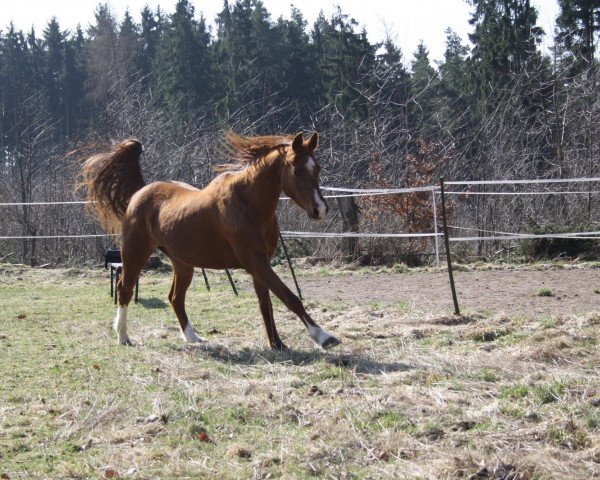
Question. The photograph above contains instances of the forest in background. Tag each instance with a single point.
(498, 108)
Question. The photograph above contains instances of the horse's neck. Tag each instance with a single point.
(264, 180)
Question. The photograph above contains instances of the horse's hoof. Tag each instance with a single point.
(196, 339)
(331, 342)
(190, 336)
(125, 341)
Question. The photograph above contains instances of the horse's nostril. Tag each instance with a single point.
(316, 212)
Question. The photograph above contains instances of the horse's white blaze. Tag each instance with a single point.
(320, 205)
(120, 325)
(310, 165)
(319, 335)
(190, 335)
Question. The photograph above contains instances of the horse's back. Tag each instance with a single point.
(185, 221)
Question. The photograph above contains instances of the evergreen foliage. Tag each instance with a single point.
(501, 107)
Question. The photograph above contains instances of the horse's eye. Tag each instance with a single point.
(296, 171)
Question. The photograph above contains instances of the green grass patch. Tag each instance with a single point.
(549, 393)
(489, 375)
(394, 420)
(74, 404)
(515, 391)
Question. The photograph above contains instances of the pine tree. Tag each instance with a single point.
(183, 65)
(15, 83)
(267, 56)
(389, 112)
(73, 84)
(346, 59)
(234, 51)
(36, 60)
(425, 95)
(453, 69)
(504, 39)
(105, 78)
(297, 64)
(578, 29)
(393, 80)
(456, 89)
(54, 46)
(129, 49)
(152, 27)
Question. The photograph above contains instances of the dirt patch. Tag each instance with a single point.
(513, 292)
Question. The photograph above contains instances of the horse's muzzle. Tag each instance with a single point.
(319, 212)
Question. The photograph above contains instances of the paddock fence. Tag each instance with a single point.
(483, 212)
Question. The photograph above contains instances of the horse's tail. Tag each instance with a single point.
(111, 178)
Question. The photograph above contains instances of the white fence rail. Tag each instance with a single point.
(340, 192)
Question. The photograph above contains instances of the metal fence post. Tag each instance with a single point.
(289, 260)
(206, 280)
(231, 282)
(447, 242)
(435, 228)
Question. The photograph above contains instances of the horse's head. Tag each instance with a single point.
(300, 177)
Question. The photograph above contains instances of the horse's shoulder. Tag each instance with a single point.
(222, 179)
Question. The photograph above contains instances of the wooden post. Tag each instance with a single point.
(447, 242)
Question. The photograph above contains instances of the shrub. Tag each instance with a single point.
(551, 248)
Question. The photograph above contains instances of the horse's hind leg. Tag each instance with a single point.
(266, 309)
(182, 277)
(134, 254)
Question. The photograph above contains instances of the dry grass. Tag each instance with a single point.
(408, 395)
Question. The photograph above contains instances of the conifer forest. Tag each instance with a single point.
(498, 108)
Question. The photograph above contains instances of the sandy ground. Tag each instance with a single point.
(509, 291)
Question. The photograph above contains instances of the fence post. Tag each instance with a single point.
(206, 280)
(231, 282)
(289, 260)
(435, 228)
(447, 242)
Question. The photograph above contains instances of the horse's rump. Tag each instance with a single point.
(111, 178)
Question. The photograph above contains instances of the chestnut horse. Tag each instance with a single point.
(229, 224)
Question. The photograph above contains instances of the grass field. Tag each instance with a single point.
(407, 395)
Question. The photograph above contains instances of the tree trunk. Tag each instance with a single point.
(349, 212)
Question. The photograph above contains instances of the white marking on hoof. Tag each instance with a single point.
(120, 326)
(322, 338)
(190, 335)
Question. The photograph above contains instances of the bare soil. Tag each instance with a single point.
(510, 291)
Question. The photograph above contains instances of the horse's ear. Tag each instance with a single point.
(313, 141)
(298, 141)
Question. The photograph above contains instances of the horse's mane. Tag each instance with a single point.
(244, 151)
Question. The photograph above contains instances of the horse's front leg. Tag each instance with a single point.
(261, 270)
(182, 278)
(266, 309)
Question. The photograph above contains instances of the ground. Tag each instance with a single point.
(510, 389)
(502, 290)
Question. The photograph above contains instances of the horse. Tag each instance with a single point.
(231, 223)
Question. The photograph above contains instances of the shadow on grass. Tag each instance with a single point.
(152, 303)
(254, 356)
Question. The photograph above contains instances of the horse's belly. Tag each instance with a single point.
(201, 249)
